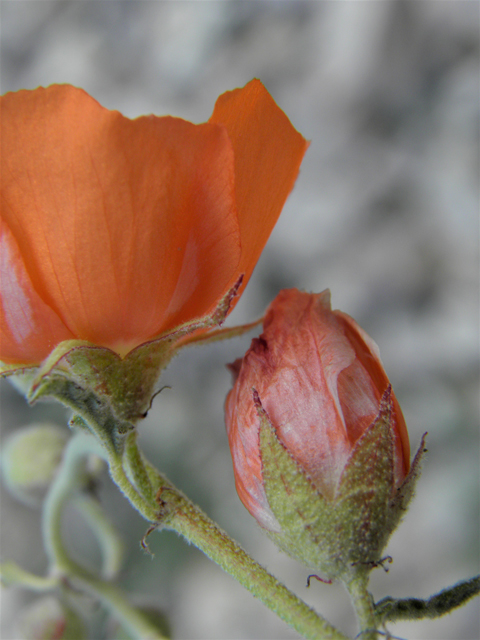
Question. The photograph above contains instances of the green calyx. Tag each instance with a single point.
(343, 536)
(120, 387)
(125, 384)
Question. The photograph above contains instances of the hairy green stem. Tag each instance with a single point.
(362, 601)
(154, 497)
(176, 512)
(146, 508)
(197, 528)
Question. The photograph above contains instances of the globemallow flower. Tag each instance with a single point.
(115, 231)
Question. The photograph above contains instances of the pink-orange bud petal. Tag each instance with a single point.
(320, 382)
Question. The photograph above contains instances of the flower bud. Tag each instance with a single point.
(319, 443)
(30, 460)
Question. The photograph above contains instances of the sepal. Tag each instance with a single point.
(334, 536)
(94, 413)
(406, 491)
(7, 370)
(126, 385)
(365, 489)
(110, 393)
(301, 511)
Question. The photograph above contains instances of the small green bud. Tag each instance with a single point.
(30, 460)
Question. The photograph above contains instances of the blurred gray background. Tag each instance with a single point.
(385, 213)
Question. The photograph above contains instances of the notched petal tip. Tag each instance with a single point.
(268, 153)
(225, 304)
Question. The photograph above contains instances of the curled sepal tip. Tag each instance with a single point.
(406, 491)
(391, 610)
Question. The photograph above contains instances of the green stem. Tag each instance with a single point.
(108, 539)
(110, 596)
(146, 508)
(176, 512)
(179, 514)
(362, 601)
(147, 490)
(70, 475)
(197, 528)
(113, 599)
(11, 574)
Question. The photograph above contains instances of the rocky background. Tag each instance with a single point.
(384, 213)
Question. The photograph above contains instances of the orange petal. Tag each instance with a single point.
(127, 227)
(29, 329)
(268, 152)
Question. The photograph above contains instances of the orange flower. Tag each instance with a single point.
(114, 231)
(318, 377)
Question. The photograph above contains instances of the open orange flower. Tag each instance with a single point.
(114, 231)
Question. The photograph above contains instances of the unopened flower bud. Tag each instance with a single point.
(49, 619)
(30, 460)
(319, 443)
